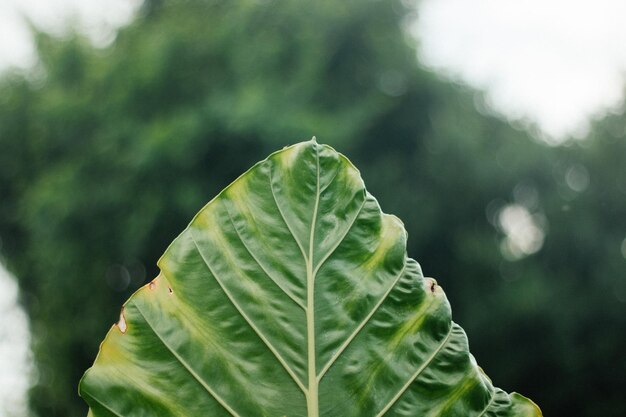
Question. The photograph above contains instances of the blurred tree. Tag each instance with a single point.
(108, 153)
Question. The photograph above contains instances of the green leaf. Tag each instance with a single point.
(291, 294)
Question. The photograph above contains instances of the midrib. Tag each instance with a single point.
(312, 394)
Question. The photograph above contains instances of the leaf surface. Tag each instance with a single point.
(291, 294)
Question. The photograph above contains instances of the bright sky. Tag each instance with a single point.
(97, 18)
(15, 361)
(556, 62)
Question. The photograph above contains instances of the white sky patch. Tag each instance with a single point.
(98, 19)
(15, 357)
(554, 62)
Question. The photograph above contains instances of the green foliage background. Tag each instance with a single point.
(107, 153)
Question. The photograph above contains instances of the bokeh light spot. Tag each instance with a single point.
(577, 178)
(524, 234)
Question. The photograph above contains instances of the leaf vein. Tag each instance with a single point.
(493, 396)
(99, 401)
(329, 182)
(457, 394)
(313, 400)
(282, 215)
(269, 345)
(340, 240)
(189, 369)
(245, 245)
(416, 373)
(343, 347)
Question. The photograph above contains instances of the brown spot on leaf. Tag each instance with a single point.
(152, 285)
(170, 290)
(432, 284)
(122, 323)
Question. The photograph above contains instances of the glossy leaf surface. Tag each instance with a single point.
(291, 294)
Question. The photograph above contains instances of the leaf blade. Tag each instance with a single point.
(291, 294)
